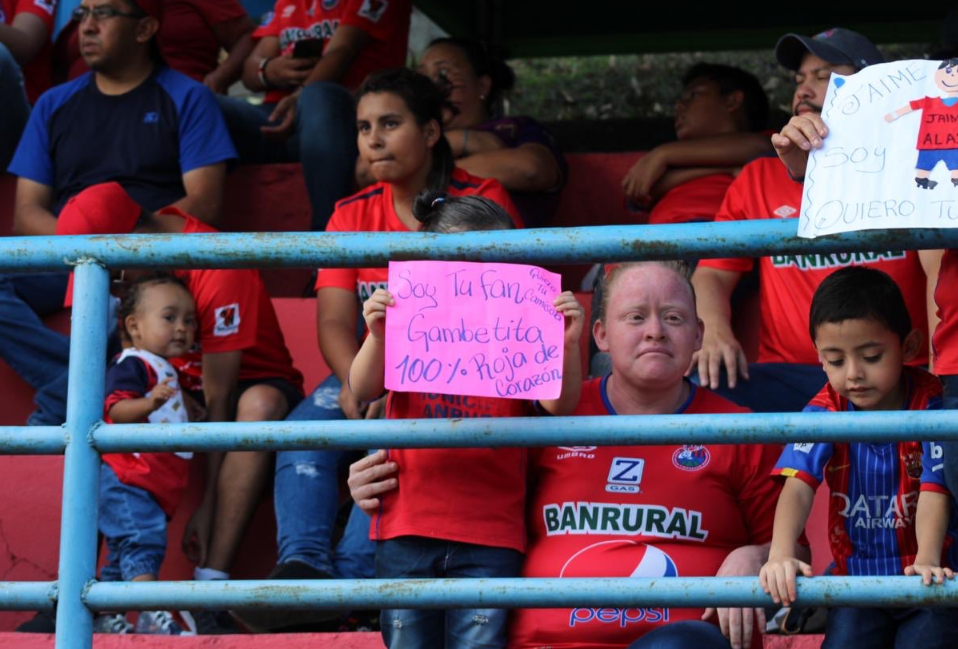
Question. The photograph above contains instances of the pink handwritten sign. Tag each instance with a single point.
(486, 330)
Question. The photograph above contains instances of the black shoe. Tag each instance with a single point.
(954, 181)
(42, 622)
(214, 623)
(925, 183)
(271, 620)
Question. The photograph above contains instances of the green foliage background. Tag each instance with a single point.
(639, 86)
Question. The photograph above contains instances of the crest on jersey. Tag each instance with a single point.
(373, 9)
(227, 320)
(691, 457)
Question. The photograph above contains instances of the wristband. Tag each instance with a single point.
(262, 72)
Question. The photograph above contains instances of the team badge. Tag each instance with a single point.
(913, 464)
(289, 10)
(691, 457)
(373, 9)
(227, 320)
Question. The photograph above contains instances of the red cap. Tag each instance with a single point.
(152, 8)
(99, 209)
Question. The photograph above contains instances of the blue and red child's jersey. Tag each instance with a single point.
(874, 487)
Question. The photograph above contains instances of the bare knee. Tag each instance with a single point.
(261, 403)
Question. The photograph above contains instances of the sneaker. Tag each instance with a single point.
(212, 623)
(925, 183)
(112, 623)
(270, 620)
(158, 623)
(42, 622)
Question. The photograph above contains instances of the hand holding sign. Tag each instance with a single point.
(492, 330)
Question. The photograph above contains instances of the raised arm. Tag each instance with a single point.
(367, 371)
(566, 304)
(336, 321)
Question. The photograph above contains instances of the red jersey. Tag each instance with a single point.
(133, 375)
(37, 74)
(638, 511)
(386, 22)
(470, 495)
(787, 282)
(371, 210)
(874, 487)
(938, 119)
(697, 200)
(946, 333)
(235, 314)
(186, 35)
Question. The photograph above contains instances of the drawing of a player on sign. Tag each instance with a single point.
(938, 135)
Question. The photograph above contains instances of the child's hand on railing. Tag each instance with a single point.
(778, 578)
(930, 572)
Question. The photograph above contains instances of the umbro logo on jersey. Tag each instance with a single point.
(581, 452)
(373, 9)
(784, 211)
(47, 5)
(289, 10)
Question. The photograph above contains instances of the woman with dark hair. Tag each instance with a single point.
(516, 151)
(399, 120)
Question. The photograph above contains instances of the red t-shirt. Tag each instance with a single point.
(386, 22)
(787, 282)
(186, 37)
(638, 511)
(371, 210)
(235, 314)
(946, 333)
(470, 495)
(938, 119)
(697, 200)
(37, 74)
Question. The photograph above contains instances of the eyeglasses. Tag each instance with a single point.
(102, 13)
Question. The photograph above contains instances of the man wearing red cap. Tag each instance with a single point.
(131, 120)
(242, 370)
(788, 372)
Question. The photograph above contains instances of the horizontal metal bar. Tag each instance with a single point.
(27, 595)
(510, 593)
(622, 430)
(32, 440)
(549, 245)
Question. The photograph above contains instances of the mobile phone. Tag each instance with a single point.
(308, 48)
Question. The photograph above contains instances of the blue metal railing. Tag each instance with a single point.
(83, 438)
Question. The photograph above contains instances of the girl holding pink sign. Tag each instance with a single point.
(456, 512)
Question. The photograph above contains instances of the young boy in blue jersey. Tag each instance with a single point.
(861, 328)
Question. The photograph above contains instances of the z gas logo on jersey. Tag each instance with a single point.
(625, 475)
(630, 520)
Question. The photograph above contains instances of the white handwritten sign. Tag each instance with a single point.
(890, 159)
(486, 330)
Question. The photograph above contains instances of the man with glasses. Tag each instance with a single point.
(131, 120)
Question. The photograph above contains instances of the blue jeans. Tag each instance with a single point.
(14, 109)
(306, 499)
(774, 387)
(415, 557)
(38, 354)
(134, 525)
(324, 142)
(898, 628)
(691, 634)
(950, 385)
